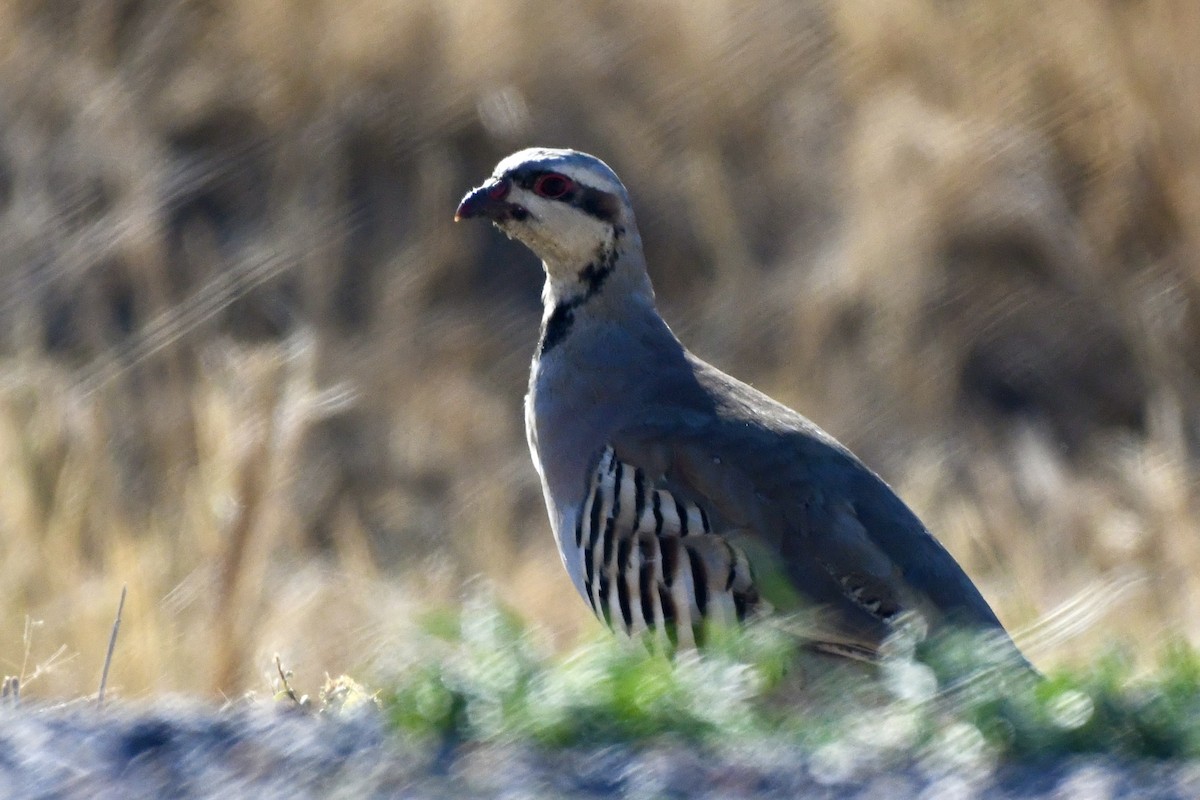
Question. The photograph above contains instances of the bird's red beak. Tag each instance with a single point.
(486, 201)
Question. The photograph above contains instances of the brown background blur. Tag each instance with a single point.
(250, 368)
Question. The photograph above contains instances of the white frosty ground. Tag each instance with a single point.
(195, 752)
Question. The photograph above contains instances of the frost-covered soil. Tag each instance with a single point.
(187, 751)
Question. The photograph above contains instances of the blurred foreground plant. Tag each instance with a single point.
(483, 675)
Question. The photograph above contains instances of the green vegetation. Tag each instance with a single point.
(484, 676)
(1101, 708)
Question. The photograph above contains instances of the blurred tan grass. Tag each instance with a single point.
(251, 370)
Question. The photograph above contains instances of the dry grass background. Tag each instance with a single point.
(249, 367)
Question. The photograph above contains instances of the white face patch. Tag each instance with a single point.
(563, 236)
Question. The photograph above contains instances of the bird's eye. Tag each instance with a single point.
(552, 185)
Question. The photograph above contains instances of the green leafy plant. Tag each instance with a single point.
(483, 675)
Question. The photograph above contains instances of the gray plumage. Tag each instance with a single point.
(677, 493)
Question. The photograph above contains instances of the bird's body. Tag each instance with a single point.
(678, 494)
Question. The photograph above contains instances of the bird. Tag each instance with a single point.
(679, 496)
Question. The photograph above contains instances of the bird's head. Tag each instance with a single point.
(567, 207)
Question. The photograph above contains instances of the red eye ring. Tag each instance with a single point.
(552, 185)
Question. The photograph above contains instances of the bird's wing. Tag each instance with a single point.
(815, 527)
(672, 538)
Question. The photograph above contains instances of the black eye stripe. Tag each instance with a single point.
(601, 205)
(594, 202)
(528, 180)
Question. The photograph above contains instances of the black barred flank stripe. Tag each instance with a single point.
(639, 500)
(645, 581)
(579, 530)
(590, 573)
(594, 519)
(656, 507)
(683, 517)
(670, 559)
(605, 588)
(608, 540)
(616, 489)
(739, 605)
(625, 603)
(615, 514)
(732, 565)
(623, 582)
(704, 523)
(668, 609)
(699, 580)
(592, 601)
(589, 576)
(593, 535)
(588, 584)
